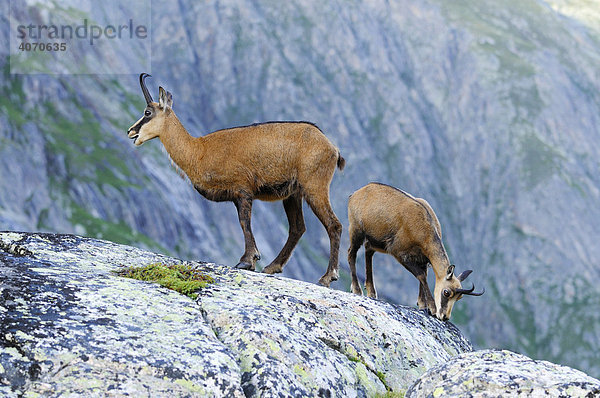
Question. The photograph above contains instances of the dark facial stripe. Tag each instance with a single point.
(444, 303)
(138, 126)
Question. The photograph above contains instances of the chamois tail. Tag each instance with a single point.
(341, 162)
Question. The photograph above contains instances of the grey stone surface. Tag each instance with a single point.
(70, 326)
(328, 340)
(501, 373)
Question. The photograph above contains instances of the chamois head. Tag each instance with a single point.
(152, 123)
(449, 290)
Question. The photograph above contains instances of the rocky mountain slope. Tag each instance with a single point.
(71, 326)
(489, 110)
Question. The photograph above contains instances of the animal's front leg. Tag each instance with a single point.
(422, 300)
(425, 294)
(251, 254)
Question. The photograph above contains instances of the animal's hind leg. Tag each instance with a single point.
(371, 292)
(356, 240)
(320, 205)
(293, 210)
(251, 254)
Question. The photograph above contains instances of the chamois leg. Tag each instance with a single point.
(371, 292)
(251, 254)
(425, 299)
(356, 241)
(319, 203)
(425, 294)
(293, 210)
(422, 300)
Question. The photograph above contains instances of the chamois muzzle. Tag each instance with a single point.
(147, 95)
(469, 292)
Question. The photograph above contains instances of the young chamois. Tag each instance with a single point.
(391, 221)
(271, 161)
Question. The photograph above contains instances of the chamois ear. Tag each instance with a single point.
(450, 272)
(165, 99)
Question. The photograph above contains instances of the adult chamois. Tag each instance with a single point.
(270, 161)
(391, 221)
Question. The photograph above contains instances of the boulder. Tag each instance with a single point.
(501, 373)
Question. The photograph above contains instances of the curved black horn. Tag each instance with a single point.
(144, 88)
(469, 292)
(463, 275)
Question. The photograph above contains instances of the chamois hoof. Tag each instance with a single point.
(273, 269)
(427, 311)
(356, 290)
(326, 280)
(245, 265)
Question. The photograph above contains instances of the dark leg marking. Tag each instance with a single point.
(356, 241)
(369, 252)
(251, 254)
(427, 297)
(322, 208)
(418, 268)
(293, 210)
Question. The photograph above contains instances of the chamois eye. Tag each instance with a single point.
(147, 113)
(446, 293)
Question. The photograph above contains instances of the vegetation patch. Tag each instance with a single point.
(392, 394)
(377, 373)
(182, 278)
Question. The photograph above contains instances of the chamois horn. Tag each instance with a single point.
(469, 291)
(144, 88)
(464, 275)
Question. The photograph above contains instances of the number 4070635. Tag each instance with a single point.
(42, 46)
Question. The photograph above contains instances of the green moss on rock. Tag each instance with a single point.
(179, 277)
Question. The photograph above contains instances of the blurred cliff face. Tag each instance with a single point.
(488, 110)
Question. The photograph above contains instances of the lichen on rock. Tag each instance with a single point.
(314, 339)
(71, 326)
